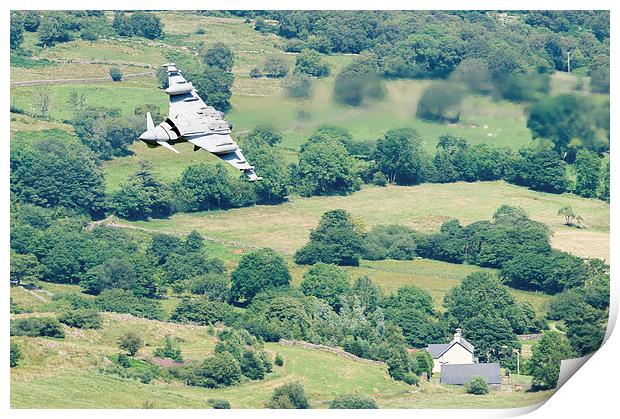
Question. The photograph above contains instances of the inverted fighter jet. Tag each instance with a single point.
(191, 120)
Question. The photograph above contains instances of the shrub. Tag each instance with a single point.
(121, 301)
(288, 396)
(122, 360)
(16, 354)
(255, 73)
(379, 179)
(169, 350)
(37, 326)
(411, 379)
(353, 401)
(116, 73)
(477, 385)
(279, 361)
(252, 366)
(202, 311)
(81, 318)
(219, 403)
(130, 342)
(220, 370)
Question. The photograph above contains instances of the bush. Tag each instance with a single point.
(121, 301)
(252, 366)
(441, 102)
(379, 179)
(220, 370)
(353, 401)
(169, 350)
(81, 318)
(116, 74)
(255, 73)
(477, 385)
(411, 379)
(202, 311)
(275, 67)
(279, 361)
(309, 62)
(122, 360)
(219, 403)
(130, 342)
(288, 396)
(16, 354)
(37, 326)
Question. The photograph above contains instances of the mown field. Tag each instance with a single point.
(424, 207)
(63, 373)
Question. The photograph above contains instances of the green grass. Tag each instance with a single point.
(62, 373)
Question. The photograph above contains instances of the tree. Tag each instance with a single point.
(130, 342)
(441, 102)
(169, 350)
(353, 401)
(146, 24)
(327, 282)
(157, 199)
(588, 168)
(162, 245)
(423, 363)
(298, 87)
(571, 218)
(309, 62)
(477, 386)
(325, 168)
(202, 311)
(25, 268)
(32, 20)
(203, 187)
(481, 294)
(288, 396)
(258, 271)
(603, 188)
(275, 67)
(400, 157)
(275, 186)
(16, 354)
(214, 86)
(220, 56)
(36, 168)
(252, 366)
(450, 159)
(600, 74)
(220, 370)
(492, 336)
(570, 122)
(539, 168)
(359, 82)
(116, 73)
(474, 72)
(544, 365)
(335, 240)
(17, 31)
(52, 31)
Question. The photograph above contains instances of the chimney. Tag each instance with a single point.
(457, 335)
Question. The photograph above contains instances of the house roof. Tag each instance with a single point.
(459, 374)
(438, 349)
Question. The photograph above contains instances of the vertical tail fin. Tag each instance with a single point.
(149, 121)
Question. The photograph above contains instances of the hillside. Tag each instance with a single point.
(55, 368)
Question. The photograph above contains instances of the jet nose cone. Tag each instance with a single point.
(148, 136)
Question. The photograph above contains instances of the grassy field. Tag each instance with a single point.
(424, 207)
(62, 373)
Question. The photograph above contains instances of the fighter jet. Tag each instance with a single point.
(191, 120)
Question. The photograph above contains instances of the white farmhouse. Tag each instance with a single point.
(459, 351)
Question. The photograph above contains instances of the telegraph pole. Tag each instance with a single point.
(568, 59)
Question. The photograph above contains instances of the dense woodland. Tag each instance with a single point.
(58, 190)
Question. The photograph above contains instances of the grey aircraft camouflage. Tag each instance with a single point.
(191, 120)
